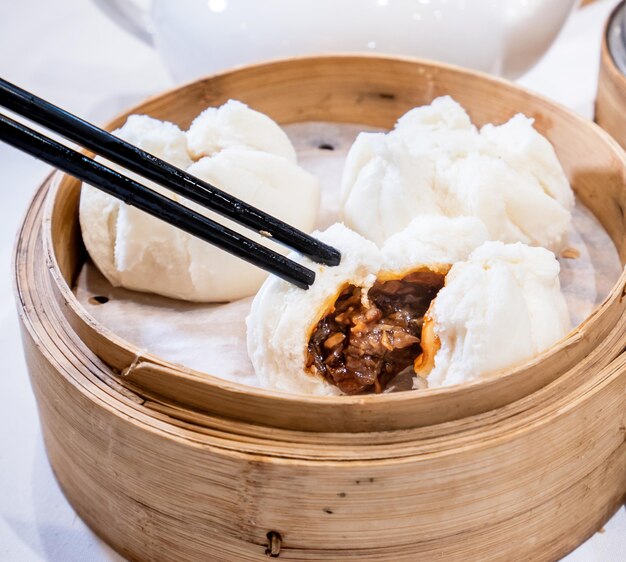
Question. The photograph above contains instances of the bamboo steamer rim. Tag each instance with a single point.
(279, 400)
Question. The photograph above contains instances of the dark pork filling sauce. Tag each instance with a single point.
(361, 347)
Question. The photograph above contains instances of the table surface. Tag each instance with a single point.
(51, 48)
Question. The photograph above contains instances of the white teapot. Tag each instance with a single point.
(197, 37)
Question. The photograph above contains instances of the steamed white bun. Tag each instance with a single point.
(501, 303)
(436, 161)
(282, 316)
(501, 306)
(235, 125)
(137, 251)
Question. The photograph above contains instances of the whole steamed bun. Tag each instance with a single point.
(501, 306)
(239, 150)
(436, 161)
(235, 125)
(283, 316)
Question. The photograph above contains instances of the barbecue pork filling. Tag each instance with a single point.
(368, 337)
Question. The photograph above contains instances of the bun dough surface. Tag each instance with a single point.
(436, 161)
(501, 306)
(269, 182)
(235, 125)
(283, 317)
(433, 239)
(240, 151)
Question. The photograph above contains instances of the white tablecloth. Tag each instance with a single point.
(68, 52)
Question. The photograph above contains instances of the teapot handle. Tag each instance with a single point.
(131, 15)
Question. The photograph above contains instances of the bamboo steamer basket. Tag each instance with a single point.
(165, 463)
(611, 99)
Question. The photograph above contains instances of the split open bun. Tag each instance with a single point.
(437, 300)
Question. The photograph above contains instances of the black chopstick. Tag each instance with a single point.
(140, 196)
(150, 167)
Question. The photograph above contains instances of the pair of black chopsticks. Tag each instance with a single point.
(148, 166)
